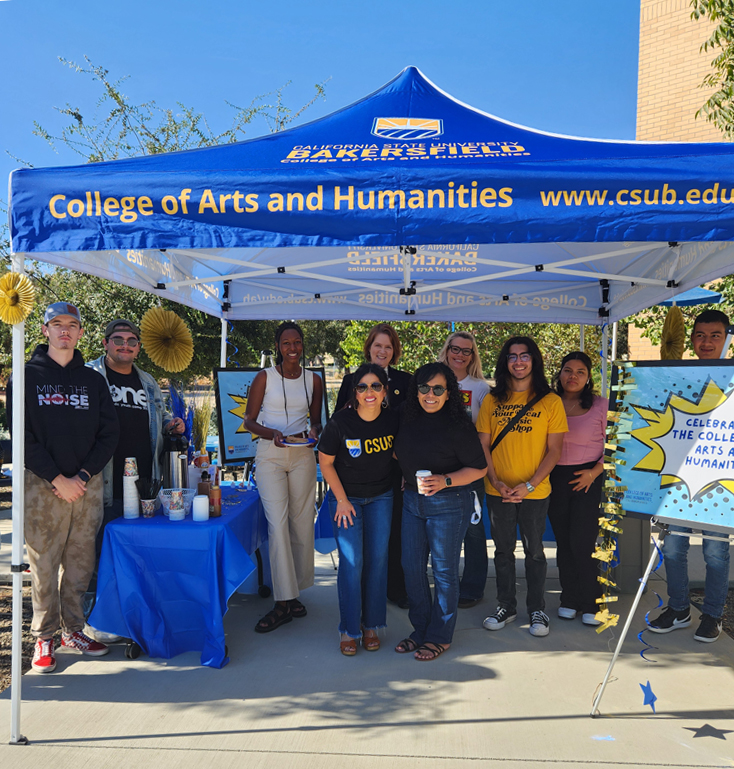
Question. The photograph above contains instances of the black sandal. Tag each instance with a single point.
(406, 646)
(298, 610)
(277, 616)
(434, 649)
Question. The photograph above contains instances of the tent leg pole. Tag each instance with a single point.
(614, 341)
(16, 564)
(630, 617)
(604, 359)
(223, 346)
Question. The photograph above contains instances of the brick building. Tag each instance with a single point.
(670, 71)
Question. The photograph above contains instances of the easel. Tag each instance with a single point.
(663, 526)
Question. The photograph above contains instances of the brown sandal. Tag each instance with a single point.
(349, 647)
(406, 645)
(371, 643)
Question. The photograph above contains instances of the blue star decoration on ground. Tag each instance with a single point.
(650, 698)
(708, 731)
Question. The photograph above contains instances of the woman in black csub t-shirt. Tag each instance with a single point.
(436, 435)
(355, 453)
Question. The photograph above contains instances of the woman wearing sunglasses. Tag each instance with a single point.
(437, 435)
(355, 454)
(461, 355)
(382, 347)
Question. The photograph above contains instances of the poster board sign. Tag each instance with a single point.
(675, 441)
(232, 389)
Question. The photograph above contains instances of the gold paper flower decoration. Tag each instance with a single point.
(17, 295)
(673, 341)
(166, 339)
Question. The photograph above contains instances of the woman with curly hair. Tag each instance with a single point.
(437, 435)
(577, 485)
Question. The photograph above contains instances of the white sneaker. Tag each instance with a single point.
(539, 623)
(101, 636)
(565, 613)
(590, 619)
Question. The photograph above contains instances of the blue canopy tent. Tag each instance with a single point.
(406, 204)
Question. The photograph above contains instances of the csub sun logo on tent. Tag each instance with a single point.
(407, 128)
(355, 447)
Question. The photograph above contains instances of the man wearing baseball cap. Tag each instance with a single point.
(71, 431)
(143, 420)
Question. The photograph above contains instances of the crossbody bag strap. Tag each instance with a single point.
(520, 414)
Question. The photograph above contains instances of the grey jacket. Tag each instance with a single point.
(157, 417)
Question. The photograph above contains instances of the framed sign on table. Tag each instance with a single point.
(232, 390)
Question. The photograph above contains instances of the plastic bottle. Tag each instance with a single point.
(204, 486)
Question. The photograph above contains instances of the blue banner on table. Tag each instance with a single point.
(677, 434)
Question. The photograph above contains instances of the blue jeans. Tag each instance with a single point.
(504, 518)
(476, 563)
(716, 556)
(434, 525)
(362, 578)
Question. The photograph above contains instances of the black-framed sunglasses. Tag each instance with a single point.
(375, 386)
(456, 350)
(438, 390)
(119, 341)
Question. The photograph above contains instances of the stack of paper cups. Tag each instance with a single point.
(201, 507)
(176, 509)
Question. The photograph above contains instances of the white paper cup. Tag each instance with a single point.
(418, 479)
(201, 507)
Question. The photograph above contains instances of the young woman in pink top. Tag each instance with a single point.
(577, 486)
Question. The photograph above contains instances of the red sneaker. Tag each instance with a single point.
(79, 642)
(44, 660)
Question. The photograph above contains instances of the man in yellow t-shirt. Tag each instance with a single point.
(517, 475)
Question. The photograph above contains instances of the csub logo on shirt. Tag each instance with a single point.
(407, 128)
(354, 446)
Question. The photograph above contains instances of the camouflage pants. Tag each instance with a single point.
(60, 540)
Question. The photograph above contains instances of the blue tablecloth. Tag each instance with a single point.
(165, 584)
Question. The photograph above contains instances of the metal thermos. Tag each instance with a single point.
(175, 460)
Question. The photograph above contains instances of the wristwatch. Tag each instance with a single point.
(529, 487)
(447, 480)
(82, 474)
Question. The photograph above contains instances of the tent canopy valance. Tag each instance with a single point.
(406, 204)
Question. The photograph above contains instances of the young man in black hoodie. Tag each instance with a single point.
(71, 433)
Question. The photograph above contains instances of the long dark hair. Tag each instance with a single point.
(501, 389)
(363, 370)
(587, 394)
(455, 406)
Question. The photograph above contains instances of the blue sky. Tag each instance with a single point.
(560, 65)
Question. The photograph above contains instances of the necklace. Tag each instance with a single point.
(289, 376)
(569, 410)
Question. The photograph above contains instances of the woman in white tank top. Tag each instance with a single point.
(282, 402)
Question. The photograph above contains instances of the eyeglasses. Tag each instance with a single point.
(523, 357)
(375, 386)
(465, 351)
(120, 341)
(438, 390)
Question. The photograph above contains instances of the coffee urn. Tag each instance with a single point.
(175, 460)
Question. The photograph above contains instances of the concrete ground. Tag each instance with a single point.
(289, 699)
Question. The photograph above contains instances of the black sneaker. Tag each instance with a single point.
(670, 620)
(499, 619)
(709, 630)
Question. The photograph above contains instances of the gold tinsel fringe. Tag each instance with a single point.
(166, 339)
(673, 341)
(17, 295)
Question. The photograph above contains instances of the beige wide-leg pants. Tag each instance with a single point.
(60, 540)
(286, 480)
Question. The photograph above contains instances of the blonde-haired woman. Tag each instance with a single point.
(461, 354)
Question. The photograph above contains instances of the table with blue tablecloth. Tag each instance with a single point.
(165, 584)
